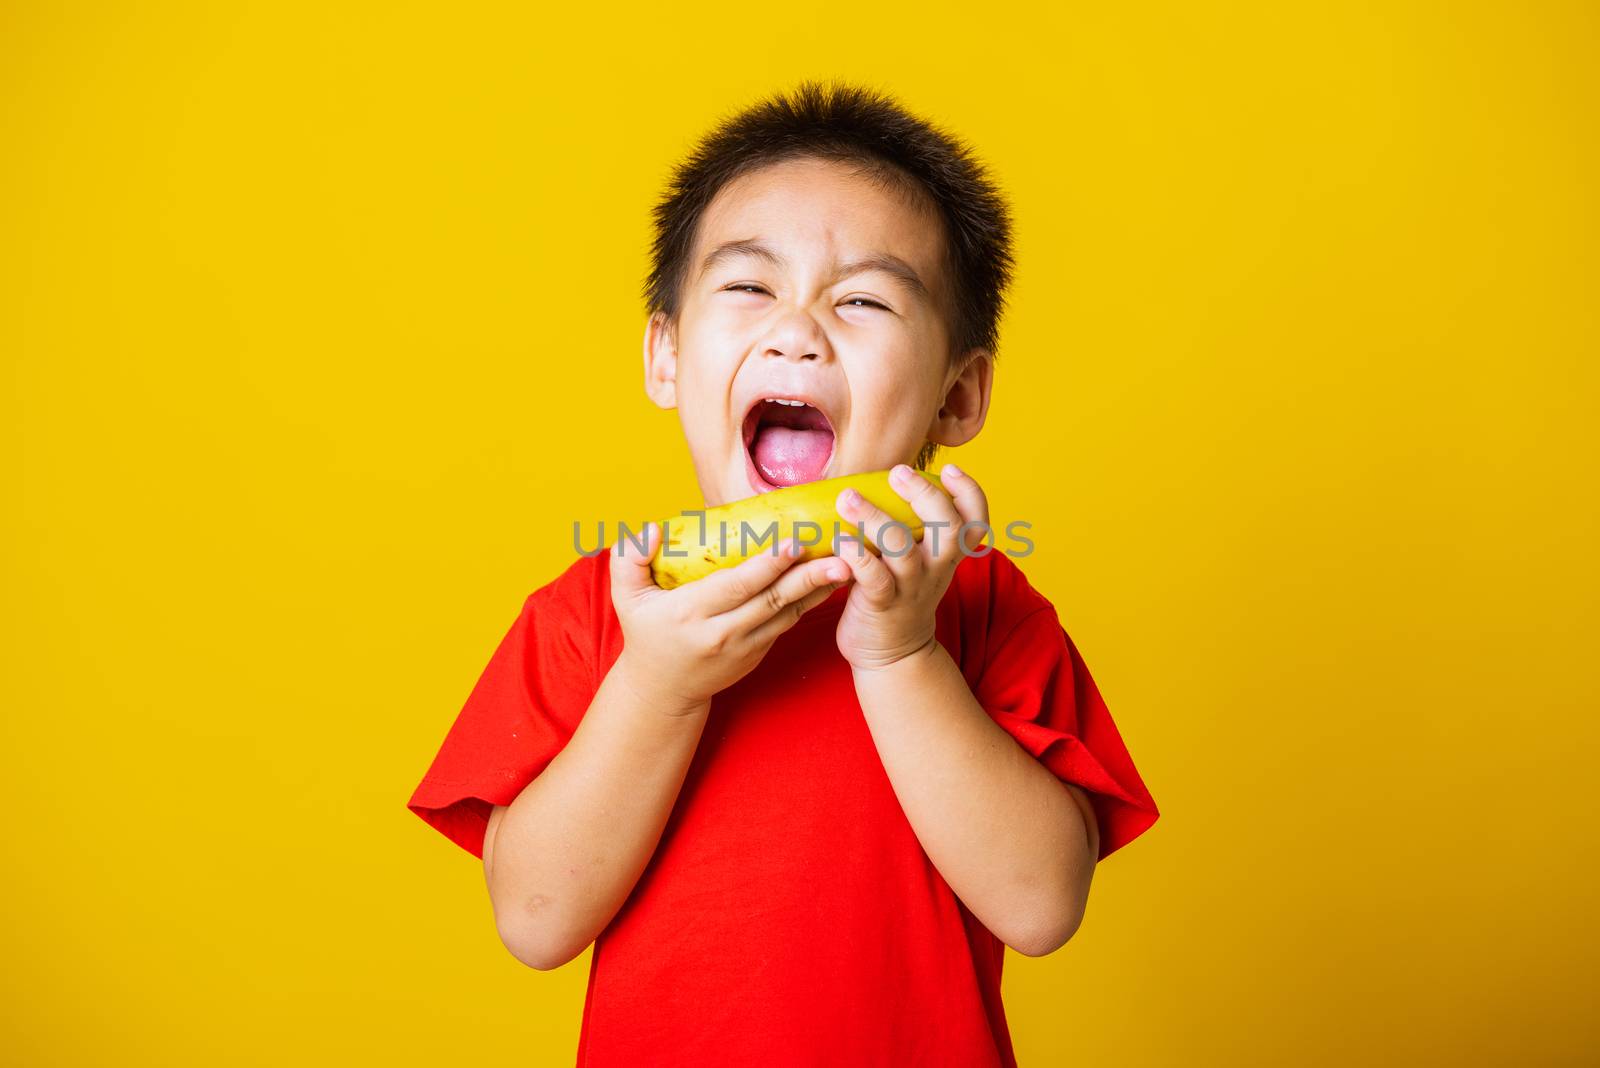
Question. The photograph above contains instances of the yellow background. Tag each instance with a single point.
(320, 323)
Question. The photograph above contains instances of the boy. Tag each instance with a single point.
(800, 809)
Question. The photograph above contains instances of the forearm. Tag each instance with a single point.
(566, 853)
(1006, 834)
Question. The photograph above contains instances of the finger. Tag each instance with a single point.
(891, 537)
(877, 582)
(768, 632)
(630, 563)
(933, 506)
(730, 587)
(970, 502)
(793, 585)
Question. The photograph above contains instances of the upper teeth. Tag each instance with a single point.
(790, 403)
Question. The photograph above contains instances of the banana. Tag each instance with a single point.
(732, 533)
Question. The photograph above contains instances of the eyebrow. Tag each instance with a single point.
(875, 261)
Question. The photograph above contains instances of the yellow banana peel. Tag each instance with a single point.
(732, 533)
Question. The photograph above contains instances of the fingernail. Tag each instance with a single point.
(900, 472)
(852, 495)
(952, 469)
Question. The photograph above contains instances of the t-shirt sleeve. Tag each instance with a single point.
(525, 706)
(1035, 685)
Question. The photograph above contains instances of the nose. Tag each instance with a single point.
(797, 336)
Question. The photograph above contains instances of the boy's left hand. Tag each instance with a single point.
(890, 611)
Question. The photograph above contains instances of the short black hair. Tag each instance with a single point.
(866, 129)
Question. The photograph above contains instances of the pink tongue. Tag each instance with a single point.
(788, 456)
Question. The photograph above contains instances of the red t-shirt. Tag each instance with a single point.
(789, 915)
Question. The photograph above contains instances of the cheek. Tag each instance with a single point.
(891, 386)
(704, 391)
(722, 324)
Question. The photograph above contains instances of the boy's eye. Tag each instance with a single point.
(751, 287)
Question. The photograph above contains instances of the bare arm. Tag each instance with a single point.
(1016, 844)
(563, 856)
(561, 859)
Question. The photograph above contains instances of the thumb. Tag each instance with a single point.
(630, 559)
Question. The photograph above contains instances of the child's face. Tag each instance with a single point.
(866, 350)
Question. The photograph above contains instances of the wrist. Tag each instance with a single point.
(899, 663)
(640, 682)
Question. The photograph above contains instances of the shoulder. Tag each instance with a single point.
(989, 597)
(994, 587)
(576, 606)
(575, 589)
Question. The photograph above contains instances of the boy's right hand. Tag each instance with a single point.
(683, 646)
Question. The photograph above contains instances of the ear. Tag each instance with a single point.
(966, 400)
(661, 362)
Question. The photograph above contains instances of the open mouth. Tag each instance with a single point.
(787, 442)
